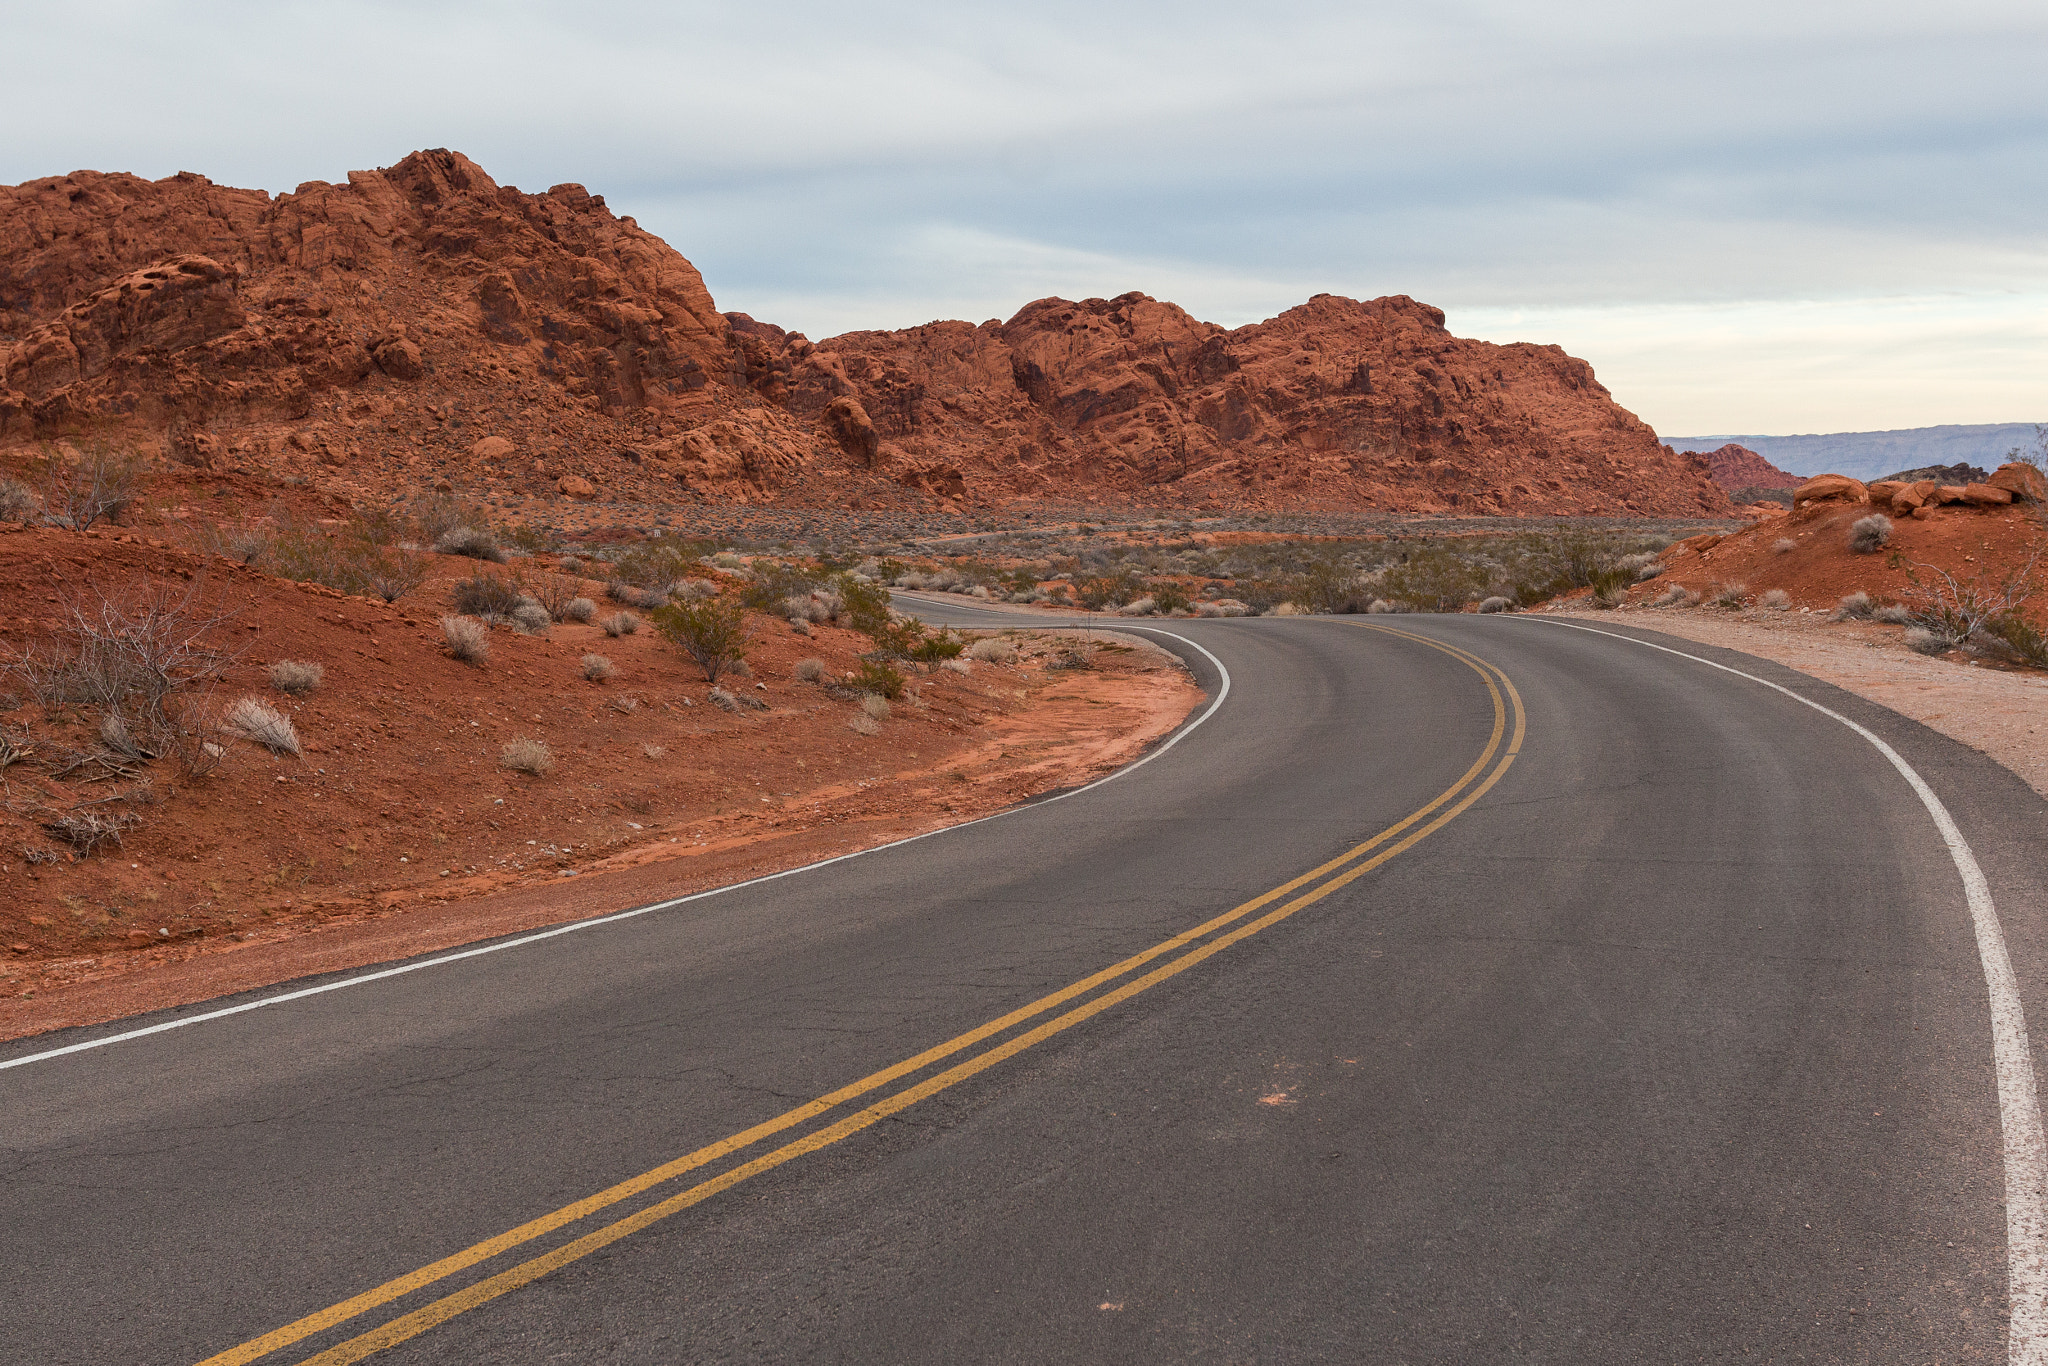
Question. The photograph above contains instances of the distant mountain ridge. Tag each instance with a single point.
(1872, 455)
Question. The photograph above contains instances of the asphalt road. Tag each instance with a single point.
(1658, 1032)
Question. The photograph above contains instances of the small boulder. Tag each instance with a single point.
(2024, 482)
(492, 448)
(1986, 496)
(1946, 494)
(1830, 488)
(576, 486)
(398, 358)
(1884, 490)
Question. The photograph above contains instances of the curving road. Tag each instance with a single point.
(1459, 989)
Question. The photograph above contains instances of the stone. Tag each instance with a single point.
(2024, 482)
(576, 486)
(1831, 488)
(398, 358)
(492, 448)
(852, 428)
(1986, 496)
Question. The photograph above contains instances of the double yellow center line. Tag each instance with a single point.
(1200, 943)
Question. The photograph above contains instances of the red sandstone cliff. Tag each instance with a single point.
(1738, 467)
(422, 321)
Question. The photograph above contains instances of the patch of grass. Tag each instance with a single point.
(1868, 535)
(1784, 545)
(875, 705)
(490, 597)
(475, 542)
(296, 677)
(1777, 600)
(254, 719)
(1855, 606)
(809, 670)
(469, 640)
(525, 755)
(620, 624)
(1729, 595)
(597, 668)
(878, 679)
(863, 724)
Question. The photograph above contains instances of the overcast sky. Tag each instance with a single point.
(1750, 217)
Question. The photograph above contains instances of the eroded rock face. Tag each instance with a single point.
(1738, 467)
(1829, 488)
(422, 323)
(1337, 403)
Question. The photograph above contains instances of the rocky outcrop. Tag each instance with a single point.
(1738, 467)
(1338, 403)
(424, 324)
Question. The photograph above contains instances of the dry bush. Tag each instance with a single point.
(1777, 600)
(295, 676)
(724, 700)
(1868, 535)
(809, 670)
(1729, 595)
(475, 542)
(529, 618)
(2020, 637)
(101, 484)
(863, 724)
(1380, 606)
(556, 592)
(624, 706)
(579, 609)
(525, 755)
(1224, 607)
(1954, 609)
(1894, 614)
(254, 719)
(488, 597)
(958, 666)
(1784, 545)
(875, 705)
(469, 640)
(647, 599)
(992, 649)
(86, 830)
(695, 590)
(597, 668)
(18, 502)
(620, 624)
(1924, 641)
(653, 751)
(712, 633)
(1854, 606)
(1497, 604)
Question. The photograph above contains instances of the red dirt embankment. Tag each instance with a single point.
(398, 830)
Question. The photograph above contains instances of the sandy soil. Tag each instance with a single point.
(2000, 712)
(398, 831)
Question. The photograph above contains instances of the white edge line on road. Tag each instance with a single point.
(2019, 1109)
(365, 979)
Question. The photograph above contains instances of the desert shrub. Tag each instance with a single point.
(653, 751)
(489, 597)
(625, 706)
(1924, 641)
(877, 678)
(1380, 607)
(18, 502)
(647, 599)
(530, 618)
(774, 584)
(1168, 598)
(102, 484)
(1142, 606)
(525, 755)
(863, 724)
(694, 590)
(1854, 606)
(1868, 535)
(1108, 590)
(724, 700)
(1641, 567)
(1434, 578)
(295, 676)
(86, 830)
(875, 705)
(739, 668)
(712, 633)
(658, 563)
(475, 542)
(1777, 600)
(958, 666)
(1894, 614)
(1223, 607)
(437, 514)
(579, 609)
(1497, 604)
(809, 670)
(620, 624)
(347, 561)
(556, 592)
(469, 640)
(1784, 545)
(1610, 586)
(1729, 595)
(1953, 609)
(254, 719)
(2027, 644)
(597, 668)
(992, 649)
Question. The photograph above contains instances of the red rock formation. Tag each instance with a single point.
(422, 322)
(1738, 467)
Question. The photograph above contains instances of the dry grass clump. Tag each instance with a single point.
(1923, 641)
(296, 677)
(958, 666)
(579, 609)
(597, 668)
(653, 751)
(1729, 595)
(724, 700)
(863, 724)
(525, 755)
(84, 830)
(809, 670)
(876, 706)
(1497, 604)
(488, 597)
(625, 706)
(469, 640)
(992, 649)
(620, 624)
(1777, 599)
(476, 542)
(1893, 614)
(1868, 535)
(1784, 545)
(529, 618)
(18, 502)
(647, 599)
(254, 719)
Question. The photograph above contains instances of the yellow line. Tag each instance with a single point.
(420, 1320)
